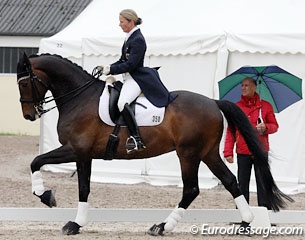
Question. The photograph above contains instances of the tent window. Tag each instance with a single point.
(9, 57)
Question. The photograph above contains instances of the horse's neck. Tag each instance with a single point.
(64, 82)
(75, 91)
(67, 81)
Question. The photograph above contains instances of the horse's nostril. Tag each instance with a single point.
(29, 117)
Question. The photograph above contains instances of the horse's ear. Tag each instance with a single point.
(23, 63)
(26, 62)
(26, 59)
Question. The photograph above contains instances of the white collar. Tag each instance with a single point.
(131, 32)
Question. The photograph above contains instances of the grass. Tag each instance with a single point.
(11, 134)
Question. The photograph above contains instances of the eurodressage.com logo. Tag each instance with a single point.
(265, 232)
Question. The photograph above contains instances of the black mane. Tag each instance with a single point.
(66, 60)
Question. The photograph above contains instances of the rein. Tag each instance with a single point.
(38, 104)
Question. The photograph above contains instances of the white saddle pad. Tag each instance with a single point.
(149, 115)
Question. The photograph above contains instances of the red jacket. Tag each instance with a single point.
(252, 106)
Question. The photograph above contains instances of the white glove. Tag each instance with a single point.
(106, 70)
(110, 79)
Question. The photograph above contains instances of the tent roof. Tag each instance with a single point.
(186, 27)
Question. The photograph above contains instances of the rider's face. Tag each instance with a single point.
(126, 25)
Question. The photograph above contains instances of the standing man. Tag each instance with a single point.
(260, 113)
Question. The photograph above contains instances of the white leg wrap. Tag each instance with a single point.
(244, 209)
(82, 214)
(172, 220)
(37, 183)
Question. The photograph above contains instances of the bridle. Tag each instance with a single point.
(39, 101)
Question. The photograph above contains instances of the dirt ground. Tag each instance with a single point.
(16, 154)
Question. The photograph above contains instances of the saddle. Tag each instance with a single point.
(145, 112)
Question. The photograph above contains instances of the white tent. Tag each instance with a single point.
(197, 43)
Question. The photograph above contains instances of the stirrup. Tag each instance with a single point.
(132, 145)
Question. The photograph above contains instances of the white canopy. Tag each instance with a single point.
(186, 27)
(197, 43)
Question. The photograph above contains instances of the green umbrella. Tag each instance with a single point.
(274, 85)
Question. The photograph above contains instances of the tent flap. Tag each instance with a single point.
(170, 45)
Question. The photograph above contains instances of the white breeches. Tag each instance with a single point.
(130, 91)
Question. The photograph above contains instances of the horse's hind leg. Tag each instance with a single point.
(221, 171)
(189, 170)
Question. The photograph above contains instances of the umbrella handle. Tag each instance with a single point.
(260, 118)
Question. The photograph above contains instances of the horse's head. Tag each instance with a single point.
(32, 89)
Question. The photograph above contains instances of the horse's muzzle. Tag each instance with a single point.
(30, 117)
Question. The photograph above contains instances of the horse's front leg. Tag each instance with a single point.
(84, 174)
(62, 154)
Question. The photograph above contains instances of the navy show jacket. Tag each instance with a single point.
(148, 79)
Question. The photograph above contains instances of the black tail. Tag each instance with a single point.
(238, 120)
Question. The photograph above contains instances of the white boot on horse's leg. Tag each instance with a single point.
(172, 220)
(72, 228)
(244, 209)
(46, 197)
(82, 214)
(37, 183)
(169, 223)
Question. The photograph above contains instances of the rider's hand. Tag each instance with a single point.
(106, 70)
(261, 128)
(229, 159)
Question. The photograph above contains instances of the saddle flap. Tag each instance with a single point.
(146, 113)
(114, 94)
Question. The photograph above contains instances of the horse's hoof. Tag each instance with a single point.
(48, 198)
(244, 229)
(71, 228)
(156, 230)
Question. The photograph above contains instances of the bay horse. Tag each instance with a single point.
(192, 126)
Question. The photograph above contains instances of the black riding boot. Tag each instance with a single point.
(134, 142)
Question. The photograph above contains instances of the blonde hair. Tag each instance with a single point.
(131, 15)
